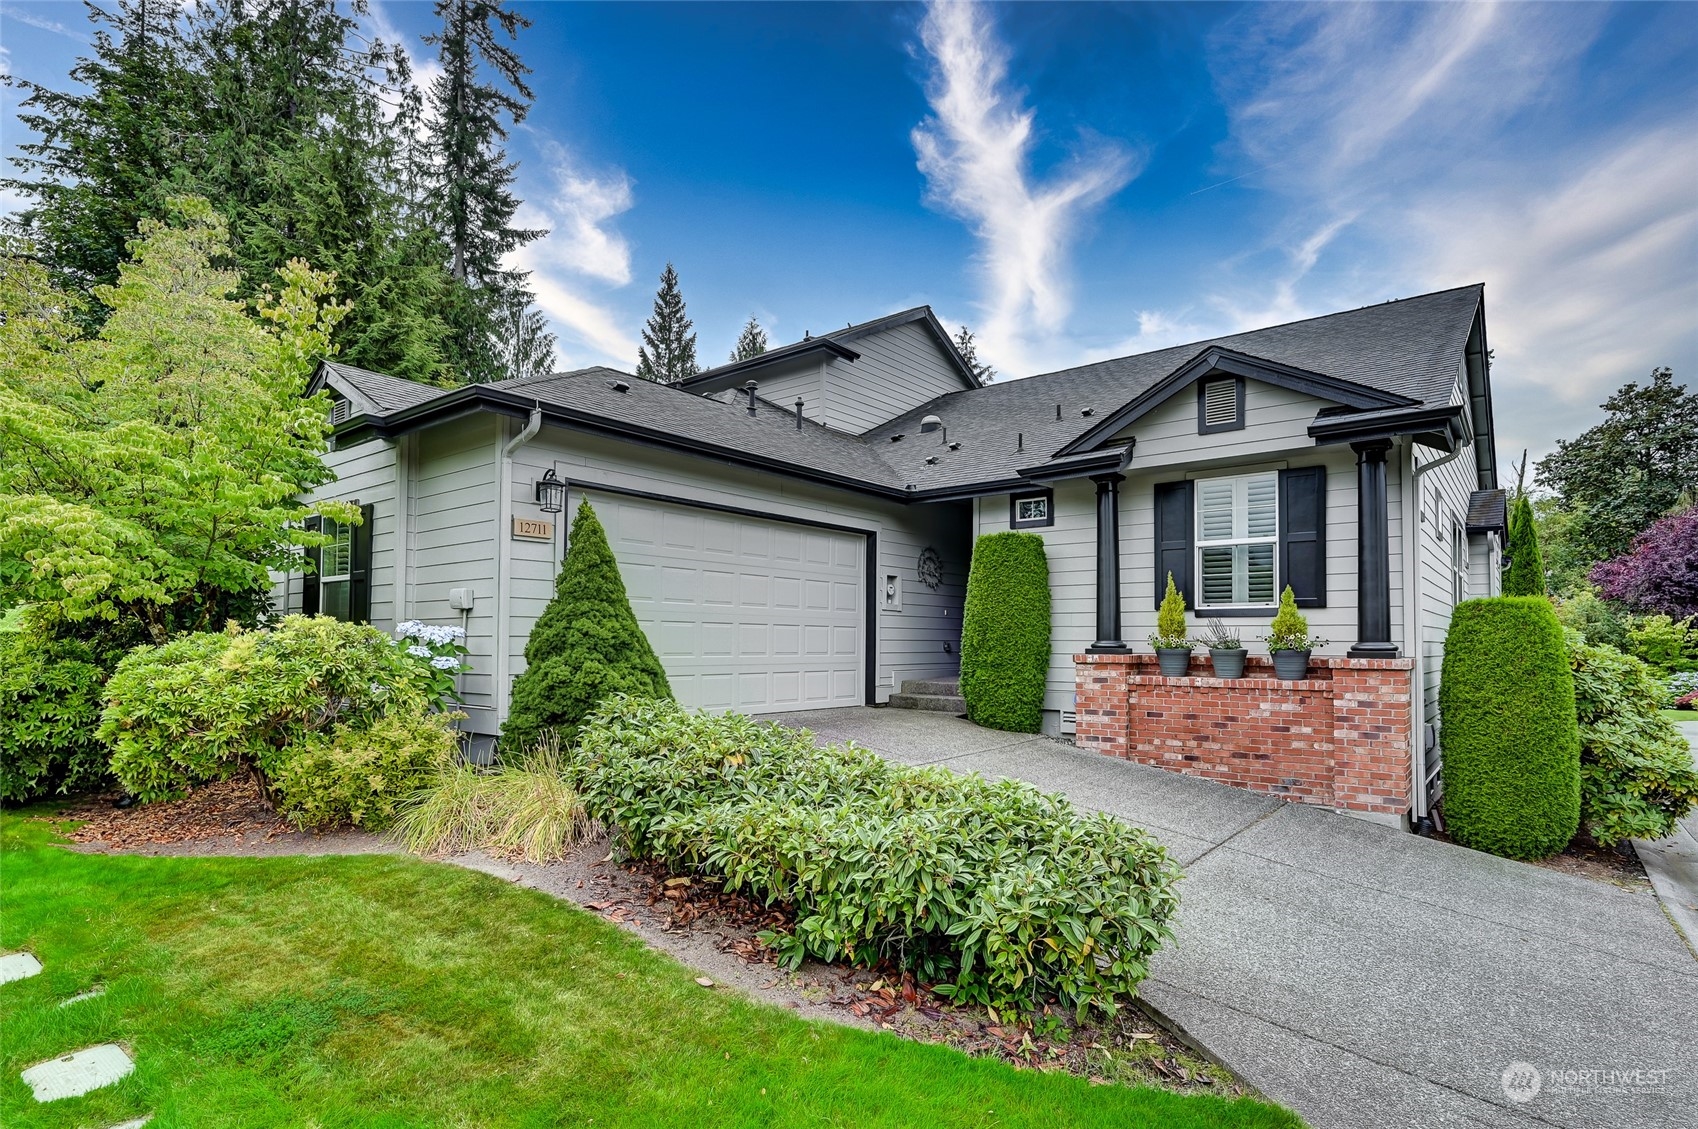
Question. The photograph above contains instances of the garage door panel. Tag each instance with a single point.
(745, 613)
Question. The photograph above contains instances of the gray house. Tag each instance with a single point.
(795, 530)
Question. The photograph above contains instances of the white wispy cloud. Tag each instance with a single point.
(1404, 149)
(976, 153)
(40, 22)
(582, 253)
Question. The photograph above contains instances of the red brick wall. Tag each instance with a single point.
(1339, 738)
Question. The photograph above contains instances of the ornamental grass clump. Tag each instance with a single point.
(992, 891)
(523, 808)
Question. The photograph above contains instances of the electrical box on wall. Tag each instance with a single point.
(461, 599)
(892, 593)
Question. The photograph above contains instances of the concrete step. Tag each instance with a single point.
(948, 687)
(939, 703)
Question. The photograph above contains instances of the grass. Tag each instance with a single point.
(382, 991)
(1678, 716)
(522, 809)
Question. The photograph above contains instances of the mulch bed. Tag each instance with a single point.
(229, 808)
(1619, 866)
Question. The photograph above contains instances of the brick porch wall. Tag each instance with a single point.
(1339, 738)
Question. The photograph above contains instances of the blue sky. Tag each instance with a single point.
(1084, 181)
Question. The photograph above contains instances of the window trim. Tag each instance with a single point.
(338, 530)
(1461, 553)
(1204, 427)
(1014, 500)
(1199, 543)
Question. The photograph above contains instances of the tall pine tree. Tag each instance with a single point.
(751, 342)
(468, 179)
(969, 350)
(527, 346)
(668, 352)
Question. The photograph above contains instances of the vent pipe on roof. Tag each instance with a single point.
(798, 413)
(1020, 441)
(749, 387)
(1058, 411)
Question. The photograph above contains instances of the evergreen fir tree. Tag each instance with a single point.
(1526, 573)
(969, 350)
(586, 646)
(668, 351)
(468, 178)
(527, 346)
(751, 342)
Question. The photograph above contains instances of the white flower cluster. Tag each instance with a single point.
(436, 634)
(445, 662)
(419, 651)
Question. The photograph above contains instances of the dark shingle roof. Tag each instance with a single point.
(1411, 347)
(1487, 511)
(704, 422)
(389, 393)
(840, 342)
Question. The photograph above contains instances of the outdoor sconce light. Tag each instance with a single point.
(551, 493)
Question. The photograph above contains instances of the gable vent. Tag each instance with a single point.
(1220, 403)
(340, 411)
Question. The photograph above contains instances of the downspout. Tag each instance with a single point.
(503, 563)
(1412, 629)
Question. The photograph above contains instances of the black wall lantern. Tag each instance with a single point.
(551, 493)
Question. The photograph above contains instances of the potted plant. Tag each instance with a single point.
(1173, 647)
(1289, 641)
(1226, 650)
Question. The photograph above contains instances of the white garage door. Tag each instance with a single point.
(746, 614)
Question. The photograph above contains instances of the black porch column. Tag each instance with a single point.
(1108, 563)
(1373, 553)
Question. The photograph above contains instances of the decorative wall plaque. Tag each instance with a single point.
(930, 567)
(532, 529)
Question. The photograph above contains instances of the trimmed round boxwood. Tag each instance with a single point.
(1511, 742)
(1005, 645)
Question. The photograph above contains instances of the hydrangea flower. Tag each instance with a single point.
(440, 635)
(420, 651)
(445, 662)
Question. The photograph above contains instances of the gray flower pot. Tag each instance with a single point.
(1291, 666)
(1175, 661)
(1229, 663)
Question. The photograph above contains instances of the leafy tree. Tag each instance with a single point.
(468, 178)
(751, 342)
(1565, 564)
(152, 472)
(668, 352)
(1621, 476)
(1659, 574)
(1526, 574)
(586, 645)
(969, 350)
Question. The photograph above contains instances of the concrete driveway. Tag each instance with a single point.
(1364, 976)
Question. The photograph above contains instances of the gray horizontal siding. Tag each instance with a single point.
(899, 369)
(367, 474)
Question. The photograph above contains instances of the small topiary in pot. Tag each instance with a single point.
(1289, 641)
(1226, 650)
(1172, 644)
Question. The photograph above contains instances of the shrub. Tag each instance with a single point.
(524, 808)
(1595, 618)
(360, 773)
(1170, 633)
(1289, 628)
(1665, 645)
(998, 893)
(1636, 773)
(1680, 690)
(1525, 575)
(1660, 572)
(585, 646)
(1511, 748)
(1005, 625)
(203, 706)
(49, 711)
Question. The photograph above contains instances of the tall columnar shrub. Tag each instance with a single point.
(995, 892)
(1526, 575)
(586, 645)
(1005, 647)
(1636, 773)
(1507, 715)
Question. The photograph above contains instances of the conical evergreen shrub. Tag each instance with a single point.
(1526, 574)
(586, 646)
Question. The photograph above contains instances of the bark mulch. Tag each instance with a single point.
(229, 808)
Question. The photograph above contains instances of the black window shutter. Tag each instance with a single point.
(359, 574)
(1303, 534)
(309, 580)
(1174, 515)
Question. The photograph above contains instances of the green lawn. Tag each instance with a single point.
(1679, 716)
(379, 991)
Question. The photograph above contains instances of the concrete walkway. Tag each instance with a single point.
(1672, 863)
(1365, 976)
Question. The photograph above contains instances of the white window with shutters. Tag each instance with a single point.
(1237, 542)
